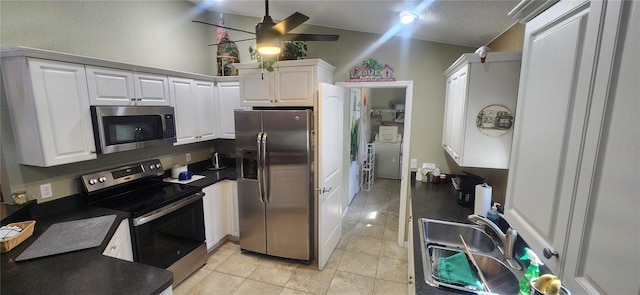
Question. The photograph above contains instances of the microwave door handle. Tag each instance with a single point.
(136, 134)
(259, 168)
(265, 169)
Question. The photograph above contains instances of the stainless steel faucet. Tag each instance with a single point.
(507, 239)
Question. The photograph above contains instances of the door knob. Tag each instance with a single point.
(324, 190)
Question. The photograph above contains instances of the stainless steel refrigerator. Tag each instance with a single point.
(274, 157)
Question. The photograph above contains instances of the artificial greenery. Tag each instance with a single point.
(263, 62)
(292, 50)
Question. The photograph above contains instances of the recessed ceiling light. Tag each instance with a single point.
(407, 16)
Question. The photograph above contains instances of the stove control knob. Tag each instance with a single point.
(151, 167)
(158, 166)
(102, 179)
(92, 181)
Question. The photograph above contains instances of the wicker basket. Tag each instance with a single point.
(27, 230)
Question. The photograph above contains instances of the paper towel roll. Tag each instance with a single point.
(483, 199)
(175, 170)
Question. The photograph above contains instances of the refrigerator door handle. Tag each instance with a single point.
(265, 170)
(259, 164)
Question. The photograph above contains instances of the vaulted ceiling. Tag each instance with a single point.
(462, 22)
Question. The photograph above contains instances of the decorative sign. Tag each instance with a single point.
(371, 71)
(494, 120)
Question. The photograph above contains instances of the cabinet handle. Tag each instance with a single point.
(113, 247)
(548, 253)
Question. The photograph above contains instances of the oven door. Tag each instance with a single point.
(166, 235)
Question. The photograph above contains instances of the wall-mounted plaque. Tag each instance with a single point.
(494, 120)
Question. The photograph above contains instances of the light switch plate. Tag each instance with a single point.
(46, 191)
(188, 157)
(414, 163)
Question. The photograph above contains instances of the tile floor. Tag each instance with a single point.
(367, 259)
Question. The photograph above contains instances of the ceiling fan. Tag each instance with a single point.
(268, 34)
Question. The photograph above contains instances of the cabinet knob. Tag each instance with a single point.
(133, 99)
(113, 247)
(548, 253)
(139, 99)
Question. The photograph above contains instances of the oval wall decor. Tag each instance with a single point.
(494, 120)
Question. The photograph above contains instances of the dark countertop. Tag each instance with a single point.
(81, 272)
(212, 177)
(433, 201)
(86, 271)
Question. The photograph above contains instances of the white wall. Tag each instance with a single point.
(161, 34)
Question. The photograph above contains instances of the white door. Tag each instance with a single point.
(330, 149)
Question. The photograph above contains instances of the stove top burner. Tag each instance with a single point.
(147, 198)
(137, 189)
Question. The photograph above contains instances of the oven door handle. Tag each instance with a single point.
(153, 215)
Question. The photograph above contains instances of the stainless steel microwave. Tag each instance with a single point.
(124, 128)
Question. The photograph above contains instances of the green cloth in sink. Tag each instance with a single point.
(455, 269)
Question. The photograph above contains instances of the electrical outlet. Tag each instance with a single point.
(46, 191)
(188, 157)
(414, 163)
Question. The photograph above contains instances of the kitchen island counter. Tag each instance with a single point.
(80, 272)
(432, 201)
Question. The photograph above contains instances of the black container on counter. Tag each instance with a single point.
(466, 193)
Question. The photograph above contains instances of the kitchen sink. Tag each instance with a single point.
(440, 239)
(444, 233)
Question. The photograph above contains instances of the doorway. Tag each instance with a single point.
(406, 143)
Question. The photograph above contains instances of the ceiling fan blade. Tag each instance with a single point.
(290, 23)
(225, 27)
(249, 39)
(309, 37)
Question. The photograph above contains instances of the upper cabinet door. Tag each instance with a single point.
(256, 87)
(557, 61)
(229, 101)
(110, 86)
(51, 121)
(295, 86)
(292, 83)
(186, 110)
(121, 87)
(207, 110)
(602, 255)
(152, 90)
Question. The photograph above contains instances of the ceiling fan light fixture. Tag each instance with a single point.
(407, 17)
(266, 48)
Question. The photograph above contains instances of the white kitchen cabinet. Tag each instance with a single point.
(577, 128)
(109, 86)
(291, 83)
(220, 205)
(228, 102)
(471, 87)
(49, 108)
(196, 110)
(120, 244)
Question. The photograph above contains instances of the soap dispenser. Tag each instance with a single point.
(492, 214)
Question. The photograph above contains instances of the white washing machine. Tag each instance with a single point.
(388, 159)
